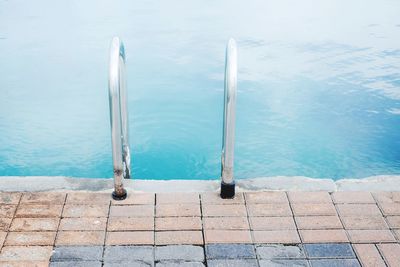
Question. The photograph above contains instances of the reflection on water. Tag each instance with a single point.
(319, 87)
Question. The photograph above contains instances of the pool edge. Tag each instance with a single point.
(278, 183)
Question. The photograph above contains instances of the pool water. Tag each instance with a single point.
(318, 88)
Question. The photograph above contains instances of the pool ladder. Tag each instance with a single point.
(119, 119)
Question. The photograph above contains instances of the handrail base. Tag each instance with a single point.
(227, 190)
(122, 196)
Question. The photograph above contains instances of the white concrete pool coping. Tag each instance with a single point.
(281, 183)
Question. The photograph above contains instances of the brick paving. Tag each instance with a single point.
(177, 229)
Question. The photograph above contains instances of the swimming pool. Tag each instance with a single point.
(318, 88)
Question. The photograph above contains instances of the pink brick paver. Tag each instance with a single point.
(276, 237)
(370, 236)
(353, 197)
(266, 197)
(318, 222)
(323, 236)
(390, 253)
(369, 255)
(309, 197)
(272, 223)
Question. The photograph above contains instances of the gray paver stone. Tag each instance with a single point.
(129, 253)
(230, 251)
(75, 264)
(232, 263)
(280, 252)
(180, 264)
(77, 253)
(128, 264)
(335, 263)
(183, 252)
(329, 251)
(286, 263)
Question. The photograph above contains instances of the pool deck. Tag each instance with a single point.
(269, 228)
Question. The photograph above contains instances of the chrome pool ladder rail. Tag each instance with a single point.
(228, 136)
(118, 118)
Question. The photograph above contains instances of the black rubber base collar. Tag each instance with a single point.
(227, 190)
(119, 197)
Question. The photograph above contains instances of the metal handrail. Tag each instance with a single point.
(118, 118)
(228, 137)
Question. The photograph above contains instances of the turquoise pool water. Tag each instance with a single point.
(319, 87)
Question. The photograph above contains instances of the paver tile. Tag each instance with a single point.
(178, 223)
(177, 198)
(53, 198)
(83, 224)
(77, 253)
(227, 236)
(129, 253)
(232, 263)
(364, 222)
(335, 250)
(30, 239)
(397, 234)
(370, 236)
(179, 253)
(130, 224)
(309, 197)
(130, 238)
(353, 197)
(9, 198)
(5, 224)
(335, 263)
(358, 210)
(136, 199)
(210, 210)
(313, 209)
(323, 236)
(38, 211)
(273, 252)
(272, 223)
(390, 208)
(393, 221)
(278, 210)
(230, 251)
(390, 253)
(226, 223)
(75, 264)
(80, 238)
(387, 197)
(2, 238)
(179, 264)
(368, 255)
(178, 210)
(7, 211)
(25, 264)
(23, 253)
(84, 198)
(34, 224)
(85, 211)
(318, 222)
(282, 263)
(215, 198)
(268, 197)
(179, 238)
(276, 237)
(132, 211)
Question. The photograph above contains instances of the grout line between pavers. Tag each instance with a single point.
(293, 217)
(340, 219)
(105, 233)
(59, 221)
(250, 229)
